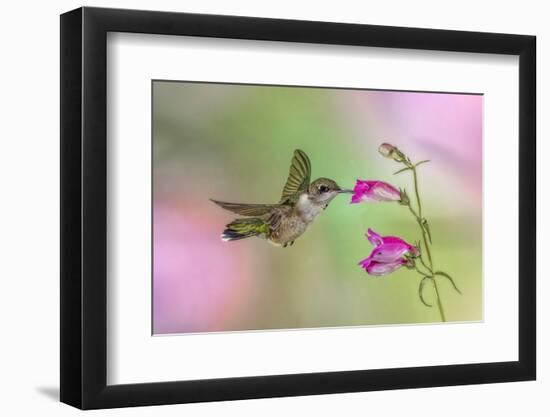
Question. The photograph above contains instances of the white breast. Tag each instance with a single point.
(307, 209)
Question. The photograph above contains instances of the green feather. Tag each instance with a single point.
(243, 228)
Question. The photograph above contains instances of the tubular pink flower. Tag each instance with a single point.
(380, 268)
(378, 240)
(389, 252)
(374, 191)
(388, 255)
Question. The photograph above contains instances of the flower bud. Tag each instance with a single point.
(387, 150)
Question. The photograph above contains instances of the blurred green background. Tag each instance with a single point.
(235, 142)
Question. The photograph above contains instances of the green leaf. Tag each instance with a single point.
(427, 228)
(421, 288)
(445, 275)
(421, 162)
(404, 201)
(401, 170)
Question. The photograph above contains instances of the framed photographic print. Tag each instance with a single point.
(258, 207)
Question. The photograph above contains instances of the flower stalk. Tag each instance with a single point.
(424, 229)
(391, 252)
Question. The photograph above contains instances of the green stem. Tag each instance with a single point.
(419, 220)
(415, 177)
(412, 211)
(438, 298)
(424, 264)
(439, 304)
(424, 274)
(426, 245)
(424, 238)
(419, 217)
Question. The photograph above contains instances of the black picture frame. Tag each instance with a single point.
(84, 207)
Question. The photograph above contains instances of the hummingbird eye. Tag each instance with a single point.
(323, 189)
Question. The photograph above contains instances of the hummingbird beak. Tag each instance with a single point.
(345, 191)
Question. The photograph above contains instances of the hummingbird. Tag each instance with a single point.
(282, 223)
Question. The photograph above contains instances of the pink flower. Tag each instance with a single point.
(378, 240)
(380, 268)
(374, 191)
(388, 255)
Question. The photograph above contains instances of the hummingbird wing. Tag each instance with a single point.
(277, 214)
(299, 175)
(252, 210)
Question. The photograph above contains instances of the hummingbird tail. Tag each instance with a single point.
(242, 228)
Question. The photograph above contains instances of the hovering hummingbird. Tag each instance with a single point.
(284, 222)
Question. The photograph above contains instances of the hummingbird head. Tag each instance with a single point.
(323, 190)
